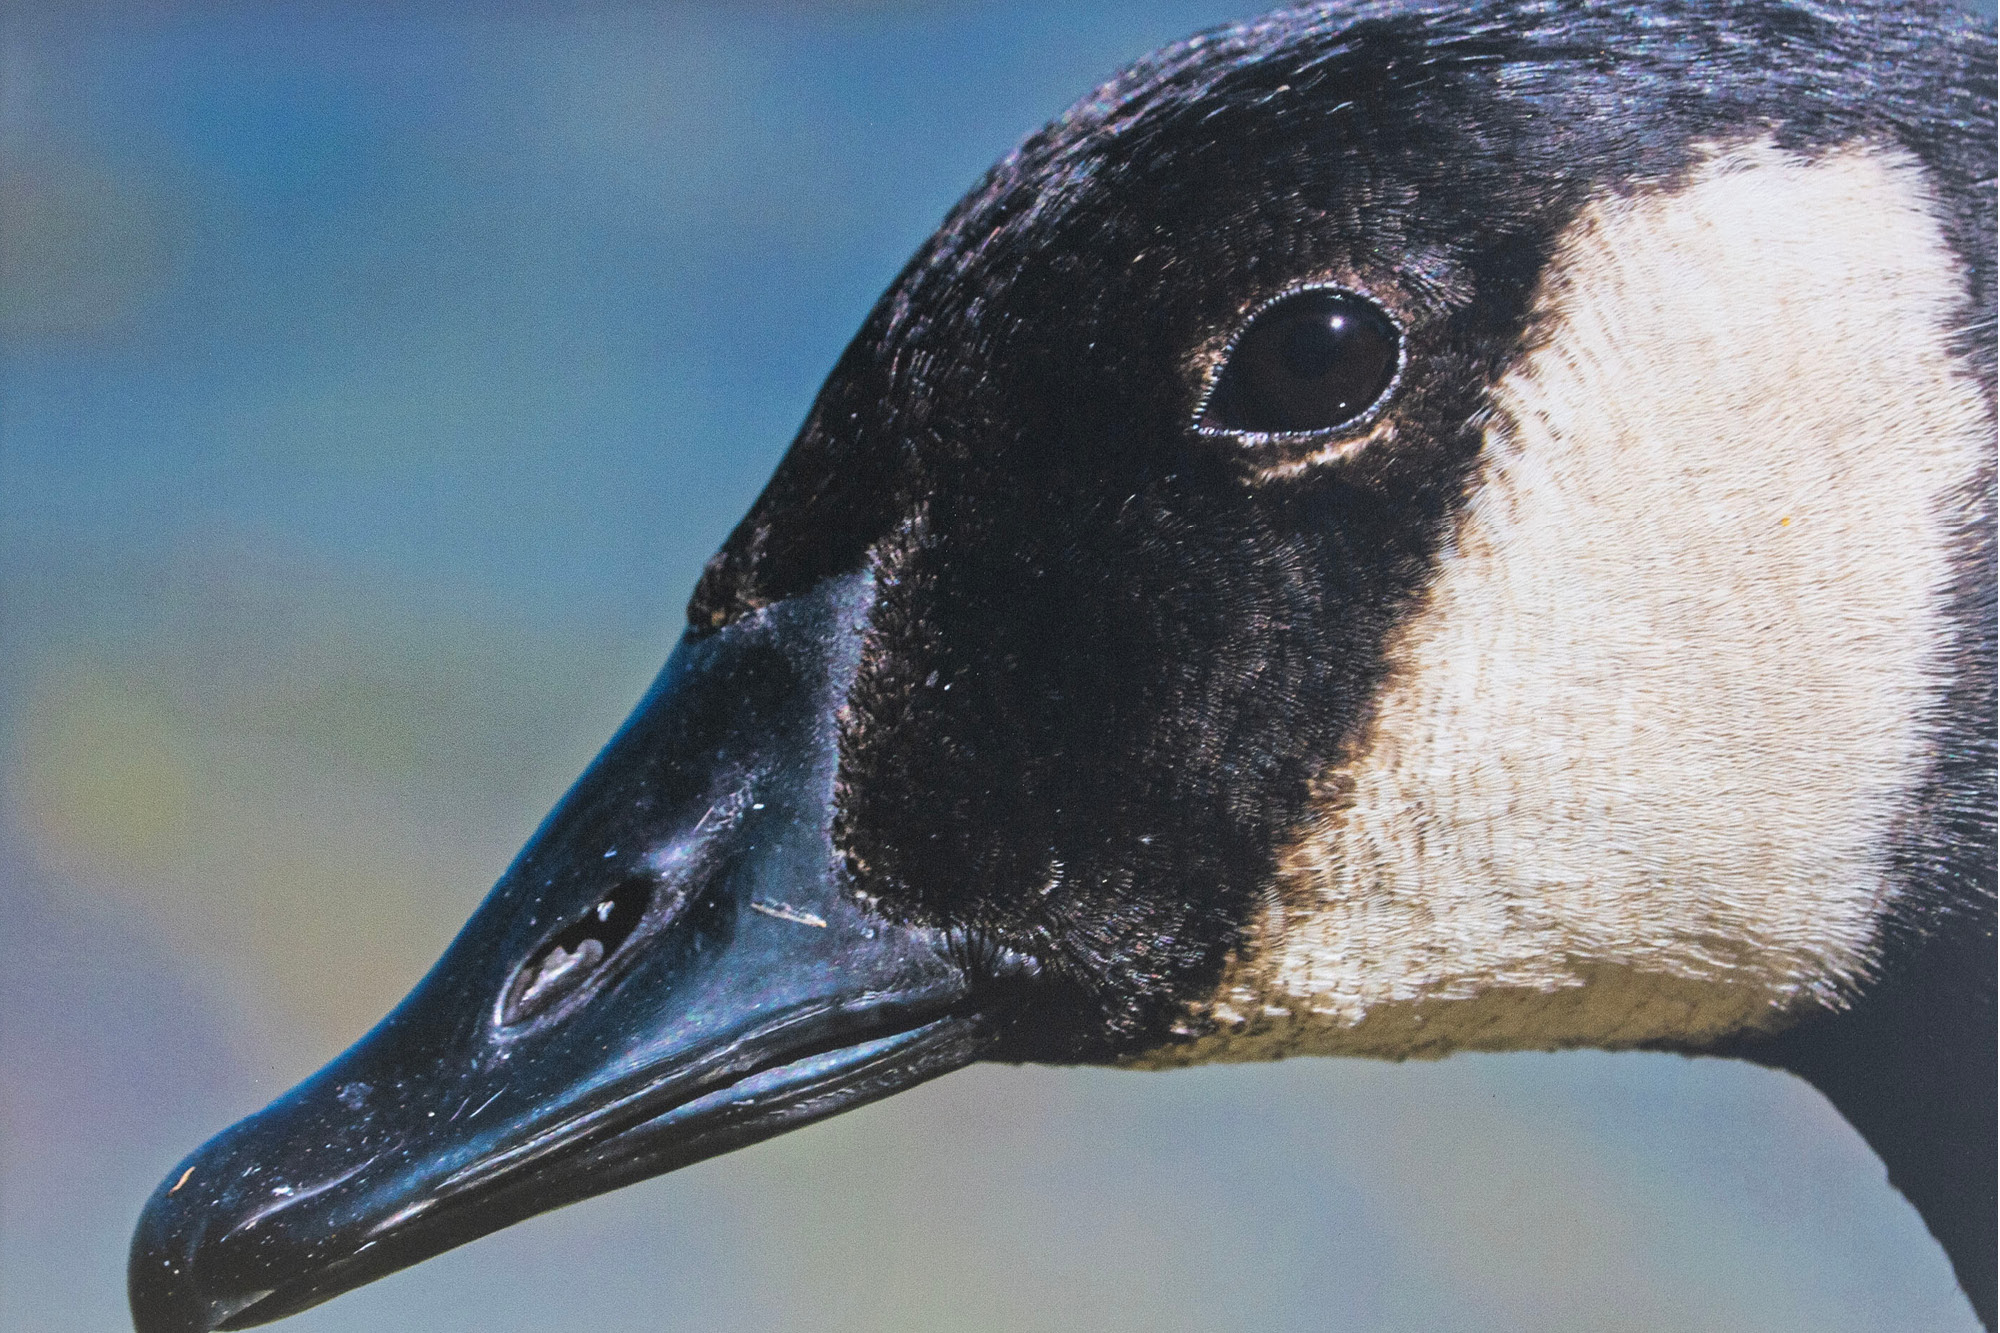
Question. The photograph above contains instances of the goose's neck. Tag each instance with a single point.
(1912, 1067)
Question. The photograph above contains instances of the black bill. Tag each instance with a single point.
(675, 966)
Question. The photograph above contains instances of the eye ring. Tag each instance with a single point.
(1325, 361)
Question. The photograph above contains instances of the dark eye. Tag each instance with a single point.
(1310, 362)
(576, 953)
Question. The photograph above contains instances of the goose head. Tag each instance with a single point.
(1384, 530)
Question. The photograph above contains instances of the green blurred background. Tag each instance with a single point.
(373, 381)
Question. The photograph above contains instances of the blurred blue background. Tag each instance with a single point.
(372, 385)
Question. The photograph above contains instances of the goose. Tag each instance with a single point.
(1387, 529)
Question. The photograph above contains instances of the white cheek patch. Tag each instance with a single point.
(1634, 770)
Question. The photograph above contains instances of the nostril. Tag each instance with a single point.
(557, 974)
(577, 952)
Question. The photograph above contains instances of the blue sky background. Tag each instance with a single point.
(372, 384)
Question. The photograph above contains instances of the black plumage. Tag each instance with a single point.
(1078, 661)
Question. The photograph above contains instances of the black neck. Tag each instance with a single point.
(1912, 1067)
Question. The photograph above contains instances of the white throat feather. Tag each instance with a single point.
(1633, 773)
